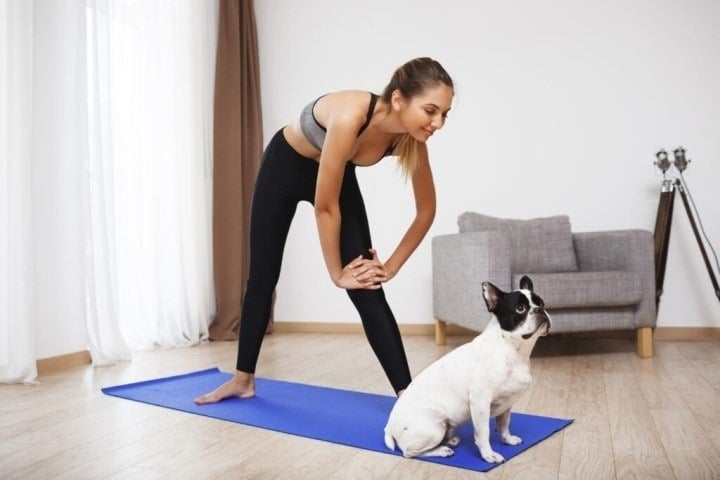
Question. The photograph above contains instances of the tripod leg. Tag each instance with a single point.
(663, 222)
(714, 281)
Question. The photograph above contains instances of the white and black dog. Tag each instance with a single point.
(478, 380)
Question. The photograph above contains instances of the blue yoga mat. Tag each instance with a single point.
(345, 417)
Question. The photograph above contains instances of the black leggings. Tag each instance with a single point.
(285, 179)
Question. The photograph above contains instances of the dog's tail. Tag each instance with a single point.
(389, 441)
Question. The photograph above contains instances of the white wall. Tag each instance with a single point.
(560, 107)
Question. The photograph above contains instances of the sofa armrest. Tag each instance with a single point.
(460, 263)
(623, 250)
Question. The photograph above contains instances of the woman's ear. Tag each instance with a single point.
(397, 100)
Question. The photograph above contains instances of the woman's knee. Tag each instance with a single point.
(363, 295)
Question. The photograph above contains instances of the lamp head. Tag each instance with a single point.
(663, 162)
(680, 162)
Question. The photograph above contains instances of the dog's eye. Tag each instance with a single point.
(521, 308)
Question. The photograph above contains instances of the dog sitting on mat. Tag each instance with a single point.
(478, 380)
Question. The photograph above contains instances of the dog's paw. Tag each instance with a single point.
(445, 452)
(439, 451)
(453, 441)
(511, 440)
(492, 456)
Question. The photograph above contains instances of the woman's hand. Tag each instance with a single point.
(364, 273)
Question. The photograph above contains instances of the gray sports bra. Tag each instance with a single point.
(315, 133)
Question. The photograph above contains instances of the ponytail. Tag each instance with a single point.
(407, 151)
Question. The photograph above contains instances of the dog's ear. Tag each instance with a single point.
(492, 295)
(526, 283)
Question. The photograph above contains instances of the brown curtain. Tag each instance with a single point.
(237, 152)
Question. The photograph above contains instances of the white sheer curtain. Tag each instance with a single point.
(102, 311)
(150, 83)
(17, 335)
(147, 88)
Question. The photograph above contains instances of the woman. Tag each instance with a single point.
(314, 159)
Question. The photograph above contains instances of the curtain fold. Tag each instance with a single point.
(17, 329)
(147, 90)
(102, 311)
(237, 153)
(150, 75)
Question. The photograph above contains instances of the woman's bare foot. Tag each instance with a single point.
(242, 385)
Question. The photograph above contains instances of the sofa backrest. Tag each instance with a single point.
(538, 245)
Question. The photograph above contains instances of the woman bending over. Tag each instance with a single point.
(314, 159)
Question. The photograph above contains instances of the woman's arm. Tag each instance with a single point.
(339, 140)
(424, 190)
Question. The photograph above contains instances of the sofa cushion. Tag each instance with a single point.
(585, 289)
(537, 245)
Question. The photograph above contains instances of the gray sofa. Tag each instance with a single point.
(590, 281)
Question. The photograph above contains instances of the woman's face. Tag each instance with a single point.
(425, 112)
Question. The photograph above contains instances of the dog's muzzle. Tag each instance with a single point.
(543, 319)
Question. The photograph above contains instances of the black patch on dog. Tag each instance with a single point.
(513, 308)
(537, 300)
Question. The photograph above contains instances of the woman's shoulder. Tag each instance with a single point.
(348, 95)
(344, 104)
(346, 100)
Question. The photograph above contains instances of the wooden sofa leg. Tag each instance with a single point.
(645, 342)
(440, 332)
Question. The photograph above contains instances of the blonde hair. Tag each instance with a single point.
(407, 151)
(411, 79)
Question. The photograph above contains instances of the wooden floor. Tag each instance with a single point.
(634, 418)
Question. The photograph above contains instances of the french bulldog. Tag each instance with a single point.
(476, 381)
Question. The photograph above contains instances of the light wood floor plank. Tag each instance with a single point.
(687, 372)
(637, 448)
(587, 451)
(688, 447)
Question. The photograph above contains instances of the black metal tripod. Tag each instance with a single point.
(664, 220)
